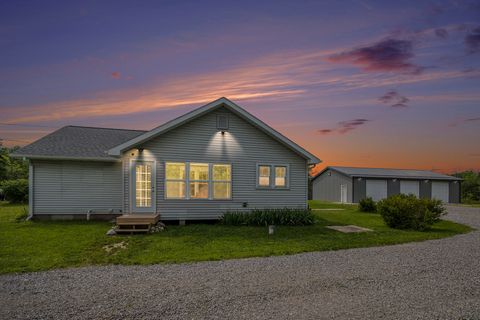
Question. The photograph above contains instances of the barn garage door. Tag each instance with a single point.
(440, 191)
(410, 187)
(377, 189)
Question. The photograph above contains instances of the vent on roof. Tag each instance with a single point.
(222, 122)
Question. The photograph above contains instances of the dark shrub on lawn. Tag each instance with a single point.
(16, 191)
(264, 217)
(367, 205)
(408, 212)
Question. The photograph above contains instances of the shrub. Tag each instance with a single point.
(16, 191)
(408, 212)
(367, 205)
(264, 217)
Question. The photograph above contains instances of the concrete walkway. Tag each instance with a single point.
(437, 279)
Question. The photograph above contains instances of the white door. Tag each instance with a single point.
(143, 186)
(410, 187)
(376, 189)
(440, 191)
(343, 193)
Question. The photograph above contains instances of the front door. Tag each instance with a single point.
(143, 186)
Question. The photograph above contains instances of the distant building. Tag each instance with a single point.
(349, 184)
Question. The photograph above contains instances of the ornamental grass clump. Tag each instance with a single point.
(408, 212)
(265, 217)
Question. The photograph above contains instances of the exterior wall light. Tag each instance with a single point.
(394, 180)
(426, 181)
(359, 179)
(140, 150)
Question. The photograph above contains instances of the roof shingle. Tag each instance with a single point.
(78, 142)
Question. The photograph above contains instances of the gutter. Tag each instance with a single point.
(40, 157)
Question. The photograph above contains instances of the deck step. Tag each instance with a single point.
(138, 219)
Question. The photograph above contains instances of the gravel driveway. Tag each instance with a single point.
(437, 279)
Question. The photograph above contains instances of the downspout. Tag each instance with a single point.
(30, 190)
(309, 182)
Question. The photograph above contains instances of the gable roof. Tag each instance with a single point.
(388, 173)
(78, 143)
(222, 102)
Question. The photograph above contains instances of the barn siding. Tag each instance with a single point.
(70, 187)
(393, 187)
(243, 146)
(327, 187)
(454, 192)
(425, 189)
(359, 189)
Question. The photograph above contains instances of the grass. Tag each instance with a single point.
(42, 245)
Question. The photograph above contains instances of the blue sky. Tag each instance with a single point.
(374, 83)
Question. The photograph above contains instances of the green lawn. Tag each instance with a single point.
(33, 246)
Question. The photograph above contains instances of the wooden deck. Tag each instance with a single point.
(136, 223)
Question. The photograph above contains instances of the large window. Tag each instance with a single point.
(175, 184)
(272, 176)
(193, 180)
(222, 181)
(199, 180)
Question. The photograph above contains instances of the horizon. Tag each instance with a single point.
(358, 83)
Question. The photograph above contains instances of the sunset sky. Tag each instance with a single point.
(357, 83)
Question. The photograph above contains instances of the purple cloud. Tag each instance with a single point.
(386, 55)
(394, 99)
(344, 126)
(472, 41)
(473, 119)
(441, 33)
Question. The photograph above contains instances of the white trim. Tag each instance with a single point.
(30, 190)
(116, 151)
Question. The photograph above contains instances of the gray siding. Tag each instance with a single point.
(425, 189)
(393, 187)
(69, 187)
(359, 189)
(242, 145)
(454, 192)
(327, 187)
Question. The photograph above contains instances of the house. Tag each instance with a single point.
(211, 160)
(348, 184)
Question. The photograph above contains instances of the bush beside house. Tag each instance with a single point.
(408, 212)
(264, 217)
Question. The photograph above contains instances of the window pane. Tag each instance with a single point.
(175, 189)
(143, 185)
(264, 176)
(221, 190)
(199, 190)
(280, 176)
(222, 172)
(175, 170)
(198, 171)
(264, 171)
